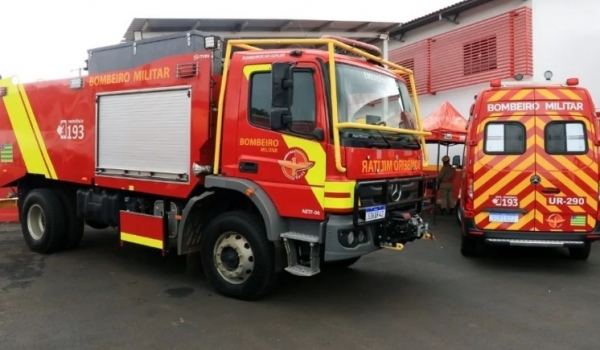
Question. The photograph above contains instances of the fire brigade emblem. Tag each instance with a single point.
(295, 164)
(555, 220)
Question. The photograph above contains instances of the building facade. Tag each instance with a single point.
(457, 55)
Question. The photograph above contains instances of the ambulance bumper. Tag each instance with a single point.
(529, 239)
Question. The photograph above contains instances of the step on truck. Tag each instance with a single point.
(531, 168)
(252, 157)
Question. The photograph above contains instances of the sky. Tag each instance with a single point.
(49, 39)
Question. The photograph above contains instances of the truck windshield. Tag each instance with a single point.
(362, 96)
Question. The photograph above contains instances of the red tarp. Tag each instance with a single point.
(446, 124)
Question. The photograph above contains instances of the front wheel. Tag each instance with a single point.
(238, 259)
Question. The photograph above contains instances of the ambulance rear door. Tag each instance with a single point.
(505, 162)
(566, 162)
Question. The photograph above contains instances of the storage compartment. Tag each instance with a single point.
(145, 134)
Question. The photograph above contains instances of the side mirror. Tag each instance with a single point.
(282, 95)
(281, 119)
(456, 161)
(282, 82)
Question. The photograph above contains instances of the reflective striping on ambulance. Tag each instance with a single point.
(523, 128)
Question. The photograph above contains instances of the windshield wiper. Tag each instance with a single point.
(384, 139)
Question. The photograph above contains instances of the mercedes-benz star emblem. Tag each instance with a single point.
(535, 179)
(395, 191)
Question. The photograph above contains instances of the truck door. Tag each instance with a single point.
(504, 165)
(288, 165)
(566, 165)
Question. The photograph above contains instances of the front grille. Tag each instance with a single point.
(381, 193)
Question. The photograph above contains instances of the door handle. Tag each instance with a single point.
(550, 190)
(249, 167)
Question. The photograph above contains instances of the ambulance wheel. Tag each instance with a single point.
(74, 224)
(43, 221)
(469, 247)
(582, 253)
(237, 257)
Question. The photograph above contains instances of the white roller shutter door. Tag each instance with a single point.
(145, 132)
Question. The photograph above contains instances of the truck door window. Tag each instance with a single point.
(504, 138)
(565, 138)
(304, 106)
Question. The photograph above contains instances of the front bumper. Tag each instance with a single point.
(385, 224)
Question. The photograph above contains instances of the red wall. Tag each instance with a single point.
(495, 48)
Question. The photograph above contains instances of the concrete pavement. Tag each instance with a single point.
(428, 296)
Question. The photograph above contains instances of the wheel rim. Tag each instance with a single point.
(36, 222)
(233, 257)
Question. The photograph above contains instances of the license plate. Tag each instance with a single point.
(375, 213)
(502, 217)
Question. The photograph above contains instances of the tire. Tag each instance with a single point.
(43, 221)
(96, 225)
(233, 234)
(469, 247)
(456, 207)
(341, 264)
(582, 254)
(75, 225)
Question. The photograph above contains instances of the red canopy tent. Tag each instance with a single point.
(447, 127)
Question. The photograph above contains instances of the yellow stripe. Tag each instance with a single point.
(547, 94)
(149, 242)
(570, 94)
(36, 129)
(521, 94)
(316, 175)
(340, 187)
(26, 138)
(498, 95)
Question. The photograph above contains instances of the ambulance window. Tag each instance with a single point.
(504, 138)
(565, 138)
(304, 104)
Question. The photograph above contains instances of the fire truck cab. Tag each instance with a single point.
(531, 169)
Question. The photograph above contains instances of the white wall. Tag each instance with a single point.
(566, 37)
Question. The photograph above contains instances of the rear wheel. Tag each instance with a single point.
(74, 224)
(469, 247)
(43, 221)
(581, 253)
(237, 257)
(96, 225)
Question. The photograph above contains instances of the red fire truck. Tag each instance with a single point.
(252, 157)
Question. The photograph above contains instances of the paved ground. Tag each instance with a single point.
(426, 297)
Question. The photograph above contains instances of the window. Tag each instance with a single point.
(565, 138)
(504, 138)
(480, 56)
(304, 104)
